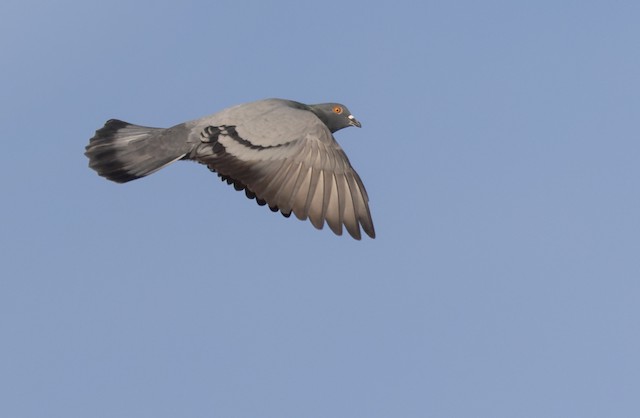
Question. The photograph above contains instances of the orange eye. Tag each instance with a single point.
(337, 109)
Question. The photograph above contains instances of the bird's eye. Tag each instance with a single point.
(337, 109)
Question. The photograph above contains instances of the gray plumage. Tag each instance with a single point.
(280, 152)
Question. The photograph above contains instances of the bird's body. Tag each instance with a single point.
(281, 152)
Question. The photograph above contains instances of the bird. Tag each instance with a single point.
(282, 153)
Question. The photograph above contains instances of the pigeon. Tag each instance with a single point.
(281, 153)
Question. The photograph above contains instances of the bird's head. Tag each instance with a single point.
(335, 115)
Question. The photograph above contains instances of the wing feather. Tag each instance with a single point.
(355, 201)
(315, 198)
(333, 212)
(286, 189)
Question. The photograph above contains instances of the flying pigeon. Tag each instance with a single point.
(280, 152)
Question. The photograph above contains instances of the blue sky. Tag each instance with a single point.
(500, 151)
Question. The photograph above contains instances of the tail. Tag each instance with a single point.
(123, 152)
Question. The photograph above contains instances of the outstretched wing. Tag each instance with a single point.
(284, 156)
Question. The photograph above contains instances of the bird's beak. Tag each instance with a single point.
(353, 122)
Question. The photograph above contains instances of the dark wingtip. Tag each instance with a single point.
(370, 231)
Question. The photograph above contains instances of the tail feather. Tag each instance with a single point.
(123, 152)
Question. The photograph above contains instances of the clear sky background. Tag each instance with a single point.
(500, 148)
